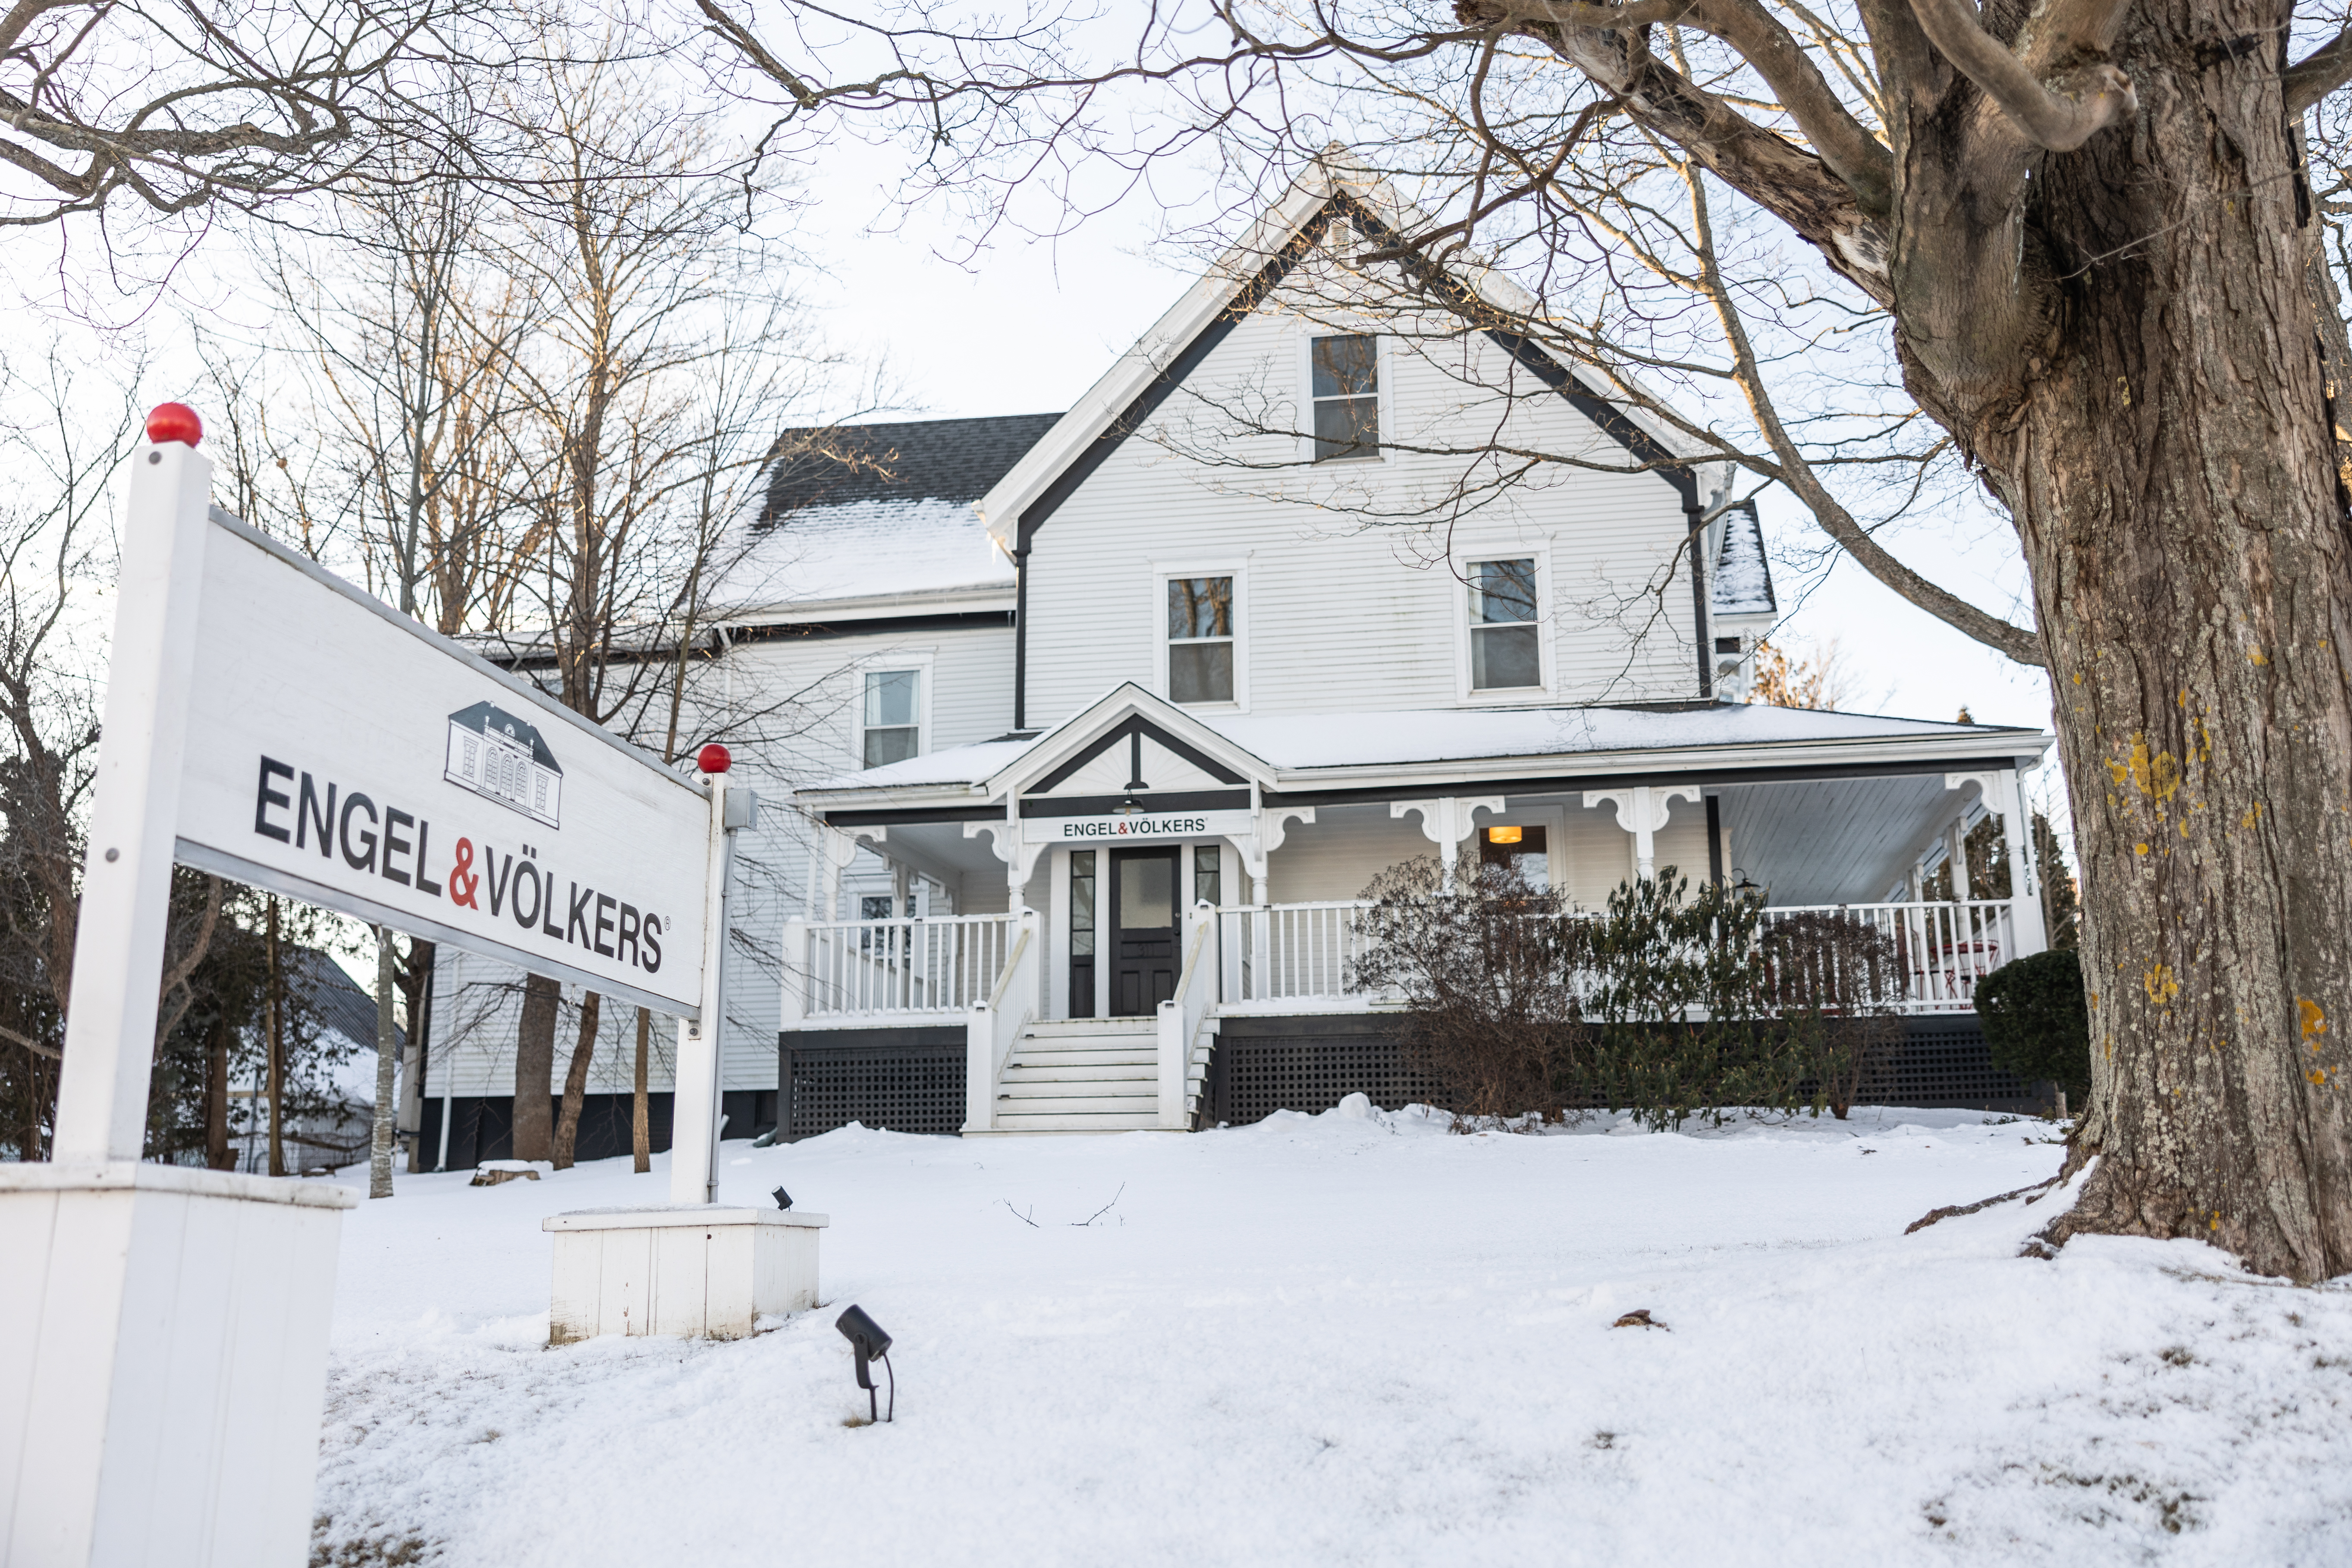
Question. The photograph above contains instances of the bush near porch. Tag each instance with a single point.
(1668, 1004)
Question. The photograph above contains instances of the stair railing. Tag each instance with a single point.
(993, 1025)
(1180, 1017)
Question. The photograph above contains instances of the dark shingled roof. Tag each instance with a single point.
(918, 459)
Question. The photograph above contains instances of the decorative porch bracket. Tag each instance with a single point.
(1020, 859)
(833, 851)
(1447, 821)
(1256, 847)
(1641, 811)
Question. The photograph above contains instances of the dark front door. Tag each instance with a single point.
(1143, 929)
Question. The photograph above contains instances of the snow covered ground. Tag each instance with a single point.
(1339, 1340)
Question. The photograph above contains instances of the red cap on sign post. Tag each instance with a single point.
(712, 758)
(175, 422)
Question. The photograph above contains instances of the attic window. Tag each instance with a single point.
(1346, 390)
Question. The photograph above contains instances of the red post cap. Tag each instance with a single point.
(712, 758)
(175, 422)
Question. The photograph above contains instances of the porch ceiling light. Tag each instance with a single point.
(866, 1338)
(1502, 835)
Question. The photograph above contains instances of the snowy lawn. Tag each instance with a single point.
(1335, 1340)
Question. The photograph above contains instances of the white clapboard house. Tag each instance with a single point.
(1107, 719)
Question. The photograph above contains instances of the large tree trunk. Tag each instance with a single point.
(2146, 395)
(534, 1066)
(385, 1124)
(218, 1155)
(576, 1082)
(641, 1126)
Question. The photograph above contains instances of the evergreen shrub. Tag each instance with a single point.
(2037, 1023)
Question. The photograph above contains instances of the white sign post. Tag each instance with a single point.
(164, 1330)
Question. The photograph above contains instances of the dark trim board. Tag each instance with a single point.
(481, 1127)
(1567, 784)
(1145, 801)
(945, 620)
(912, 816)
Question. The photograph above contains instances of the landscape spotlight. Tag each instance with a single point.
(784, 1199)
(866, 1336)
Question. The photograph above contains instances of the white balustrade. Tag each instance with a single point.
(1288, 958)
(1941, 950)
(904, 971)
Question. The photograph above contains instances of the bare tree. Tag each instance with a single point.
(2080, 233)
(177, 107)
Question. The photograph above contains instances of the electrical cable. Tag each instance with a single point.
(894, 1386)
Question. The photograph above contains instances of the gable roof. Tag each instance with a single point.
(865, 520)
(907, 461)
(1237, 284)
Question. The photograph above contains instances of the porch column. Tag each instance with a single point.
(1447, 821)
(1641, 811)
(2025, 892)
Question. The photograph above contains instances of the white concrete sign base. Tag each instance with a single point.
(695, 1272)
(162, 1370)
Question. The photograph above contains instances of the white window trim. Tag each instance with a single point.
(1455, 581)
(1553, 819)
(1162, 573)
(1383, 367)
(920, 661)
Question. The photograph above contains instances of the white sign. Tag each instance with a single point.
(340, 752)
(1139, 827)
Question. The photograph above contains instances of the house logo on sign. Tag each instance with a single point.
(502, 758)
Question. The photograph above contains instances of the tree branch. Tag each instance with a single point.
(2060, 114)
(1797, 473)
(2319, 73)
(31, 1045)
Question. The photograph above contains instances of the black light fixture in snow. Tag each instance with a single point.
(866, 1336)
(783, 1198)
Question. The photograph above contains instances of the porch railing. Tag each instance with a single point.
(1278, 958)
(908, 970)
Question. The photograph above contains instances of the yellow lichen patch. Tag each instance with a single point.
(2315, 1021)
(2140, 848)
(2160, 984)
(2252, 815)
(2317, 1075)
(2258, 656)
(2157, 775)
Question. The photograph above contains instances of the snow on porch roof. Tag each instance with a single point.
(1301, 743)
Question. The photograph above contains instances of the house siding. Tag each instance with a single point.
(1338, 614)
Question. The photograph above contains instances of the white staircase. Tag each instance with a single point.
(1081, 1075)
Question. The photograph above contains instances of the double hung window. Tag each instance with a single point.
(1345, 376)
(1506, 643)
(891, 731)
(1200, 639)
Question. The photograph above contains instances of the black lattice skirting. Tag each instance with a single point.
(907, 1081)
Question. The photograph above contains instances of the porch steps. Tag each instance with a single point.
(1081, 1075)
